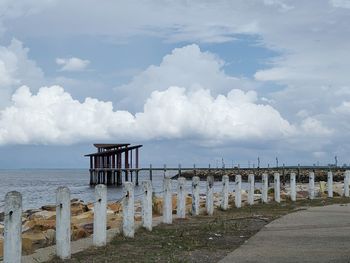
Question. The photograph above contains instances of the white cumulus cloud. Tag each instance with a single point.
(16, 69)
(52, 116)
(188, 67)
(72, 64)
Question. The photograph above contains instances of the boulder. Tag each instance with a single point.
(114, 222)
(49, 207)
(43, 215)
(79, 233)
(115, 207)
(1, 229)
(32, 240)
(89, 228)
(50, 236)
(39, 224)
(82, 219)
(157, 205)
(78, 208)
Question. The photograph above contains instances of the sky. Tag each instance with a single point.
(194, 82)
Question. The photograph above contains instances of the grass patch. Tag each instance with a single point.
(196, 239)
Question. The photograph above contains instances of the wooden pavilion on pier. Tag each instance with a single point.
(108, 164)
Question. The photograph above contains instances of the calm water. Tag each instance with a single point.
(38, 186)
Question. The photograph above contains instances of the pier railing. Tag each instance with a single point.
(114, 176)
(13, 207)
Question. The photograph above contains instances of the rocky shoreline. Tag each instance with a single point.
(38, 225)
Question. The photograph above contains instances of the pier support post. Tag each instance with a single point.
(210, 195)
(224, 198)
(195, 195)
(181, 197)
(167, 201)
(238, 191)
(13, 227)
(311, 185)
(346, 183)
(330, 184)
(128, 210)
(277, 189)
(251, 189)
(147, 205)
(265, 186)
(100, 216)
(293, 193)
(63, 230)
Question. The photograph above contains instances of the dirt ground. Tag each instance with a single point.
(196, 239)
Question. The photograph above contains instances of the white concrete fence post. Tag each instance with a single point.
(251, 189)
(346, 183)
(265, 187)
(100, 216)
(167, 201)
(63, 230)
(147, 205)
(195, 195)
(13, 227)
(224, 198)
(330, 184)
(311, 185)
(277, 188)
(210, 195)
(293, 193)
(181, 197)
(128, 210)
(238, 191)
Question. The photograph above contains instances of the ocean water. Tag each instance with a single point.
(38, 186)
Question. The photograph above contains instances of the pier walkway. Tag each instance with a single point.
(318, 234)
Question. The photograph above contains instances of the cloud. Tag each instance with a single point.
(52, 116)
(72, 64)
(341, 3)
(187, 67)
(16, 69)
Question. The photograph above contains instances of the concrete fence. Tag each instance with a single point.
(13, 208)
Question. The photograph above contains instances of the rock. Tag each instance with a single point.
(50, 236)
(39, 225)
(114, 222)
(1, 229)
(43, 215)
(33, 240)
(157, 205)
(2, 216)
(84, 218)
(89, 228)
(30, 212)
(78, 208)
(188, 200)
(138, 217)
(302, 194)
(174, 202)
(49, 207)
(115, 207)
(79, 233)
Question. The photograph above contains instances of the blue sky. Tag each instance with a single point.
(193, 81)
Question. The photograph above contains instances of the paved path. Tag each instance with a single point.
(318, 234)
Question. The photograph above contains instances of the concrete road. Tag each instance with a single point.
(318, 234)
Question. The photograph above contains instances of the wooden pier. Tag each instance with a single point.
(106, 165)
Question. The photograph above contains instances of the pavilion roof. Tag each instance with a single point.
(115, 151)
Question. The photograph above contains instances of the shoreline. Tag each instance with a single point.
(38, 228)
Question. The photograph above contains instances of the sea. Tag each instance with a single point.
(38, 186)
